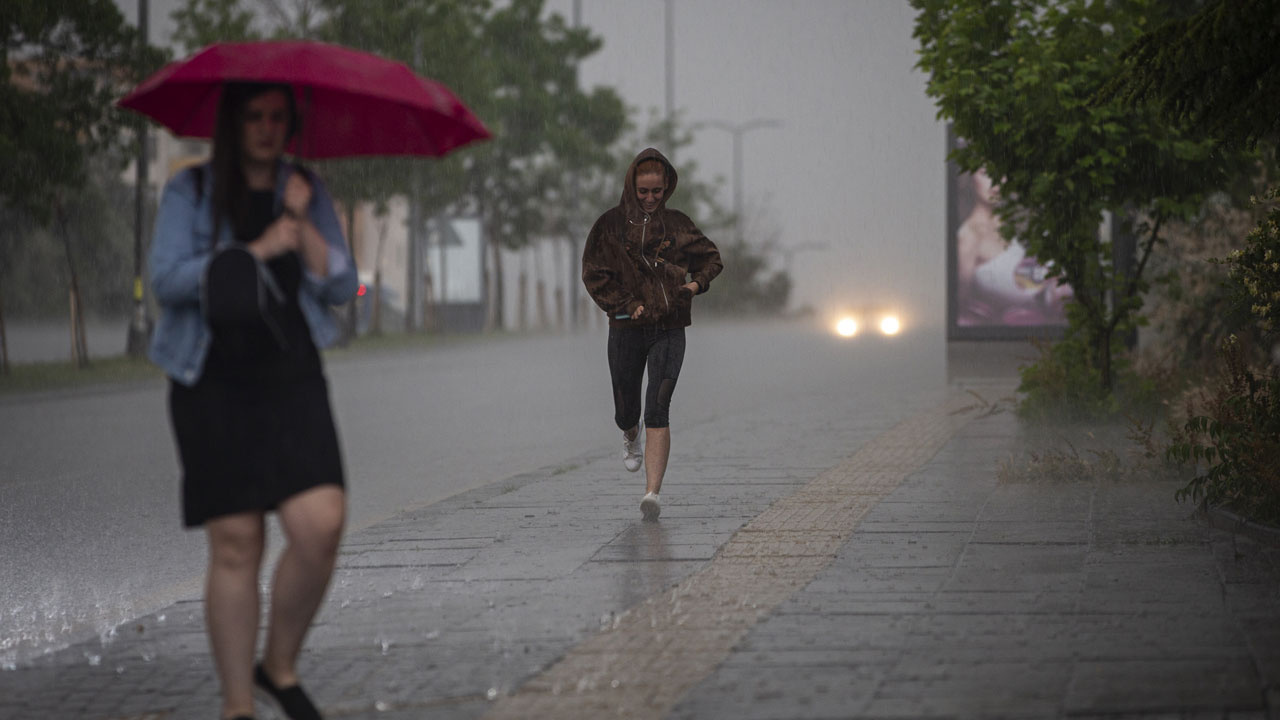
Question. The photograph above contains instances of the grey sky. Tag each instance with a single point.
(858, 162)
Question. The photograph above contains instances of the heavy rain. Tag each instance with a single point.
(941, 443)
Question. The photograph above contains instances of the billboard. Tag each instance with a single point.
(995, 289)
(456, 263)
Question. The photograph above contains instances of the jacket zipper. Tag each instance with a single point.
(644, 230)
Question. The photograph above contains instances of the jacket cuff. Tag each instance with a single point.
(703, 283)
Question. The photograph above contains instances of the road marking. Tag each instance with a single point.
(657, 651)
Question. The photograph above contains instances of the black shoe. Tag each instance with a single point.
(292, 701)
(242, 717)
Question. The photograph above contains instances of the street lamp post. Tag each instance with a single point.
(575, 260)
(738, 130)
(669, 23)
(140, 325)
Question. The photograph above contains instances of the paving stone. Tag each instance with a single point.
(868, 568)
(1183, 684)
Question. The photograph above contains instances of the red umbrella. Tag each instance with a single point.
(352, 103)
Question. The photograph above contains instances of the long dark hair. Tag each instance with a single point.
(230, 191)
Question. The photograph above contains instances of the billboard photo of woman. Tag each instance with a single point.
(996, 289)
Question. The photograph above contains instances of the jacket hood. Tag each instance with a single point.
(630, 204)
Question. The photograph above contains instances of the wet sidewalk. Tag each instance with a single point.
(873, 568)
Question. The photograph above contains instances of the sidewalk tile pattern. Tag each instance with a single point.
(651, 655)
(960, 596)
(942, 594)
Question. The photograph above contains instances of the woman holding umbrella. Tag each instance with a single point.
(643, 264)
(250, 409)
(247, 257)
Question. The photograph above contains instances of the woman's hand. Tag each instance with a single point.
(638, 312)
(297, 195)
(282, 236)
(692, 286)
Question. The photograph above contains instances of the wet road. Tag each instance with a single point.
(89, 521)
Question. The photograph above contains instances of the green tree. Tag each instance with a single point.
(516, 68)
(1217, 70)
(295, 18)
(1017, 77)
(204, 22)
(66, 61)
(547, 129)
(437, 39)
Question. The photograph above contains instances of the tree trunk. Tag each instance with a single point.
(490, 318)
(444, 276)
(79, 346)
(412, 263)
(522, 287)
(497, 292)
(4, 341)
(572, 285)
(1105, 364)
(540, 288)
(352, 324)
(557, 271)
(430, 317)
(375, 323)
(428, 304)
(544, 319)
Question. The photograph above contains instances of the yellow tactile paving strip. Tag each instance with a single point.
(657, 651)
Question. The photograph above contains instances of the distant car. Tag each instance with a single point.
(392, 313)
(877, 320)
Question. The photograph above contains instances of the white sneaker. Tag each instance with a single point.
(650, 507)
(632, 454)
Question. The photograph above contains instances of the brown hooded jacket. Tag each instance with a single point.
(633, 258)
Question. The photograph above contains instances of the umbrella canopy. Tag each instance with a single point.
(352, 103)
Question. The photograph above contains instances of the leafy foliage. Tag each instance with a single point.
(515, 68)
(204, 22)
(1255, 273)
(66, 61)
(1017, 78)
(747, 286)
(1237, 441)
(1191, 311)
(100, 220)
(1217, 70)
(1063, 385)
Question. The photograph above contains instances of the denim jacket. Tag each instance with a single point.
(181, 248)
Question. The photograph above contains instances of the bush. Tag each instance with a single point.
(1189, 308)
(1237, 440)
(1255, 272)
(1065, 385)
(747, 286)
(1235, 432)
(33, 261)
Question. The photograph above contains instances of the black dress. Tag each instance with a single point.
(253, 432)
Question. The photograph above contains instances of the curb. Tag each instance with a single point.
(1220, 518)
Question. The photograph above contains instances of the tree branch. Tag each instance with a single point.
(1131, 286)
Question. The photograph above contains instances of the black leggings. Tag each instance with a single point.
(630, 351)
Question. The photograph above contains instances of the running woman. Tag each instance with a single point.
(643, 264)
